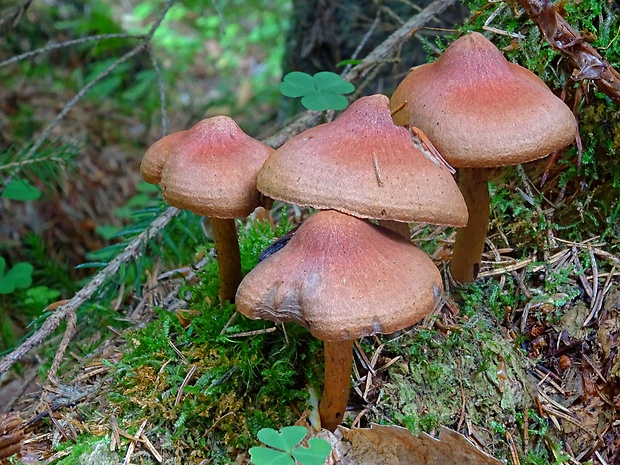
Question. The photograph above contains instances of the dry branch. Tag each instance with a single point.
(588, 63)
(134, 248)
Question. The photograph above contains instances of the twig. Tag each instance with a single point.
(70, 331)
(84, 90)
(382, 51)
(162, 91)
(597, 302)
(68, 43)
(588, 62)
(50, 325)
(189, 375)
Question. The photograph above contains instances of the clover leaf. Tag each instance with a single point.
(320, 92)
(20, 189)
(285, 450)
(20, 276)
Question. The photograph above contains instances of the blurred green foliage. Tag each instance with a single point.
(213, 56)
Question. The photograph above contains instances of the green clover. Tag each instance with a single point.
(320, 92)
(20, 276)
(286, 449)
(20, 189)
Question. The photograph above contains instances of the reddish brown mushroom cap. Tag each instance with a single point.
(209, 169)
(364, 165)
(342, 278)
(153, 161)
(481, 110)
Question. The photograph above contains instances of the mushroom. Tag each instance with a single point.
(481, 111)
(364, 165)
(342, 278)
(211, 170)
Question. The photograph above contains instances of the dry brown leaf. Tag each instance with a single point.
(393, 445)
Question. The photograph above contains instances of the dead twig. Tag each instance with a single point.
(53, 321)
(588, 62)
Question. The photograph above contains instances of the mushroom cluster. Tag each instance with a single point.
(481, 111)
(341, 276)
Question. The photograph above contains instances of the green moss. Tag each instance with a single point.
(476, 373)
(239, 385)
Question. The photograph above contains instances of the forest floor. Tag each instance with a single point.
(525, 362)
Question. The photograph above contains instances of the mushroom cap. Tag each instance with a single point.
(364, 165)
(480, 110)
(342, 278)
(153, 160)
(209, 169)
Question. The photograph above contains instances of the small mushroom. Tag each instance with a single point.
(211, 170)
(342, 278)
(363, 165)
(481, 111)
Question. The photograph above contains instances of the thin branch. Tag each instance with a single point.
(406, 31)
(304, 121)
(71, 103)
(68, 43)
(162, 92)
(132, 250)
(588, 63)
(22, 163)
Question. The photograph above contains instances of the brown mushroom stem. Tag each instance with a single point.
(469, 243)
(398, 227)
(228, 257)
(338, 364)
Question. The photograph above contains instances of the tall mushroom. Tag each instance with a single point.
(342, 278)
(481, 111)
(364, 165)
(211, 170)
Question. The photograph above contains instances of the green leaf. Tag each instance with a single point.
(321, 101)
(315, 454)
(265, 456)
(107, 231)
(348, 62)
(286, 439)
(40, 296)
(297, 84)
(20, 189)
(320, 92)
(332, 82)
(20, 276)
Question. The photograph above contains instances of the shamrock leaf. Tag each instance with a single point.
(285, 440)
(20, 276)
(289, 451)
(265, 456)
(320, 92)
(20, 189)
(297, 84)
(315, 454)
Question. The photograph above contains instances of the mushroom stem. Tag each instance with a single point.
(338, 363)
(402, 229)
(228, 257)
(469, 243)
